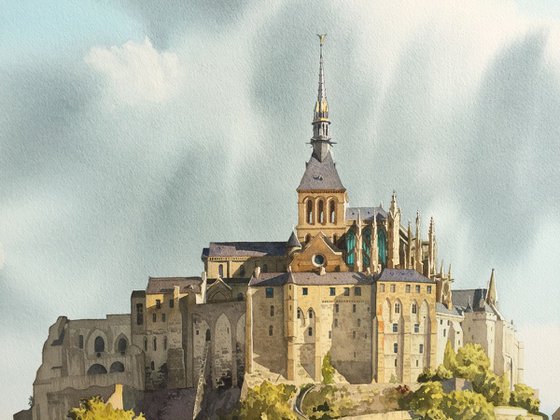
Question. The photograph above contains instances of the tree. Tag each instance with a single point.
(268, 399)
(449, 357)
(327, 370)
(524, 396)
(471, 361)
(493, 387)
(466, 405)
(429, 396)
(96, 409)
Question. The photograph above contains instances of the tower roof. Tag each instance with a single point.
(321, 176)
(293, 242)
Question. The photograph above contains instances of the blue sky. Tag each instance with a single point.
(131, 135)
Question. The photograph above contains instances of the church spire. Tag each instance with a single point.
(491, 294)
(321, 141)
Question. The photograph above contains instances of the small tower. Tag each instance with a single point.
(409, 248)
(358, 265)
(374, 257)
(492, 293)
(432, 250)
(293, 244)
(419, 266)
(393, 237)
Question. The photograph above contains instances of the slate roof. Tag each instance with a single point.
(138, 293)
(397, 275)
(320, 176)
(442, 309)
(269, 279)
(475, 298)
(311, 279)
(244, 249)
(366, 213)
(293, 242)
(158, 285)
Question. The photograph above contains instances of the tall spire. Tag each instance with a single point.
(492, 294)
(321, 141)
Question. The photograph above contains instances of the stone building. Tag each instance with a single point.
(352, 282)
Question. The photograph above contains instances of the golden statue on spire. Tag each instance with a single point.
(321, 39)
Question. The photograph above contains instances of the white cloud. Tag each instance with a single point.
(137, 72)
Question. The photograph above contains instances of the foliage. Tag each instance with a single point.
(449, 357)
(326, 403)
(438, 374)
(466, 405)
(269, 400)
(96, 409)
(524, 396)
(327, 370)
(425, 398)
(493, 387)
(30, 401)
(471, 361)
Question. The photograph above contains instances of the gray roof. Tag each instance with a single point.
(269, 279)
(475, 298)
(442, 309)
(336, 278)
(366, 213)
(244, 249)
(321, 176)
(293, 242)
(158, 285)
(138, 293)
(395, 274)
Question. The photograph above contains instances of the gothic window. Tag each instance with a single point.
(271, 310)
(321, 211)
(221, 271)
(122, 345)
(397, 308)
(350, 245)
(309, 212)
(414, 308)
(152, 365)
(366, 246)
(99, 345)
(332, 211)
(382, 247)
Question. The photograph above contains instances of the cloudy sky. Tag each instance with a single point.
(131, 135)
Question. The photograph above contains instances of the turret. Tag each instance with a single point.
(492, 293)
(419, 266)
(393, 233)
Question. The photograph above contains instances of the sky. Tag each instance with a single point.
(133, 134)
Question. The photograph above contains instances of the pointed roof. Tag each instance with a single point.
(492, 294)
(321, 110)
(321, 176)
(293, 242)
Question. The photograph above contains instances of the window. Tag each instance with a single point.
(353, 334)
(416, 328)
(441, 322)
(321, 212)
(336, 322)
(121, 346)
(310, 313)
(158, 304)
(416, 362)
(145, 343)
(269, 292)
(310, 331)
(392, 288)
(152, 366)
(81, 341)
(336, 307)
(304, 291)
(414, 308)
(429, 289)
(395, 362)
(357, 291)
(221, 271)
(298, 313)
(359, 322)
(155, 343)
(319, 260)
(271, 310)
(154, 317)
(395, 328)
(395, 347)
(332, 211)
(307, 238)
(165, 343)
(309, 210)
(421, 348)
(444, 332)
(382, 288)
(163, 317)
(346, 291)
(265, 268)
(408, 288)
(171, 303)
(397, 308)
(332, 291)
(139, 314)
(354, 308)
(417, 288)
(99, 345)
(270, 330)
(330, 334)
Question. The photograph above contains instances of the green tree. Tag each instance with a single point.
(463, 405)
(493, 387)
(450, 357)
(327, 370)
(471, 361)
(429, 396)
(269, 400)
(96, 409)
(524, 396)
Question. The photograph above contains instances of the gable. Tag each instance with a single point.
(318, 252)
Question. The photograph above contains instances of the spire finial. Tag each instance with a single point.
(321, 140)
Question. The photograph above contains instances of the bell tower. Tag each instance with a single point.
(322, 199)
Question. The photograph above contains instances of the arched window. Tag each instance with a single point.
(155, 343)
(350, 245)
(271, 310)
(397, 308)
(366, 246)
(309, 212)
(307, 238)
(310, 331)
(165, 343)
(310, 312)
(121, 346)
(99, 345)
(221, 271)
(335, 238)
(298, 313)
(414, 308)
(270, 330)
(395, 347)
(382, 247)
(152, 365)
(332, 211)
(207, 335)
(96, 369)
(321, 211)
(145, 343)
(116, 367)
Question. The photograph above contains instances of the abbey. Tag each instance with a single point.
(353, 282)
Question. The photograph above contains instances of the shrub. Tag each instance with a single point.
(96, 409)
(466, 405)
(327, 370)
(450, 357)
(269, 399)
(524, 396)
(471, 361)
(493, 387)
(425, 398)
